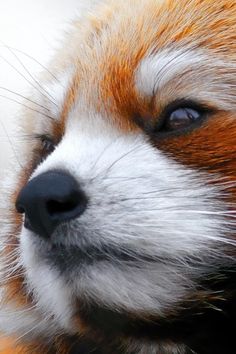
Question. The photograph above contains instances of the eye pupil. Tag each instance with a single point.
(181, 118)
(48, 146)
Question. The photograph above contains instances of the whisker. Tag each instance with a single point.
(25, 98)
(124, 178)
(29, 73)
(31, 330)
(10, 258)
(25, 78)
(172, 209)
(101, 155)
(205, 212)
(11, 144)
(36, 61)
(12, 272)
(106, 170)
(22, 104)
(10, 264)
(10, 279)
(6, 243)
(205, 237)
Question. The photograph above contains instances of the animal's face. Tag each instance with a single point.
(128, 192)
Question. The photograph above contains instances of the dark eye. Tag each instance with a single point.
(180, 118)
(43, 149)
(48, 145)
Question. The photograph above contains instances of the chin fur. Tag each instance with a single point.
(149, 266)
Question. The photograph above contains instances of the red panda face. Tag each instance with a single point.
(124, 221)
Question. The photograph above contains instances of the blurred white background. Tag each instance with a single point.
(33, 27)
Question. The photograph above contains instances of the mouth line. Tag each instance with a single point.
(71, 257)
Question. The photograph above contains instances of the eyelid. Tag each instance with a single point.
(204, 110)
(185, 103)
(44, 137)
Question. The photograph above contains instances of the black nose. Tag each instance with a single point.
(50, 199)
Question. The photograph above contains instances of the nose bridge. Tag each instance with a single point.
(91, 149)
(86, 147)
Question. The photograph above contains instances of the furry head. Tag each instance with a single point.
(123, 235)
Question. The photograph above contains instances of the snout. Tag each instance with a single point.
(50, 199)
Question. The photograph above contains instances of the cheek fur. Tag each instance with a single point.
(210, 147)
(14, 283)
(108, 68)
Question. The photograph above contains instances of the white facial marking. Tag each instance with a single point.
(51, 294)
(140, 201)
(156, 70)
(58, 88)
(173, 74)
(162, 215)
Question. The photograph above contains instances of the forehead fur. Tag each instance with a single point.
(107, 48)
(107, 65)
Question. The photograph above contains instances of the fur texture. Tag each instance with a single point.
(149, 267)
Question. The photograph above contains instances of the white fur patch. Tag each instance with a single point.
(47, 283)
(140, 201)
(174, 74)
(157, 70)
(58, 88)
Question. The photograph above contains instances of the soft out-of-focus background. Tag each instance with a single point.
(33, 27)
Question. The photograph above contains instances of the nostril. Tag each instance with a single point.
(55, 207)
(20, 209)
(50, 199)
